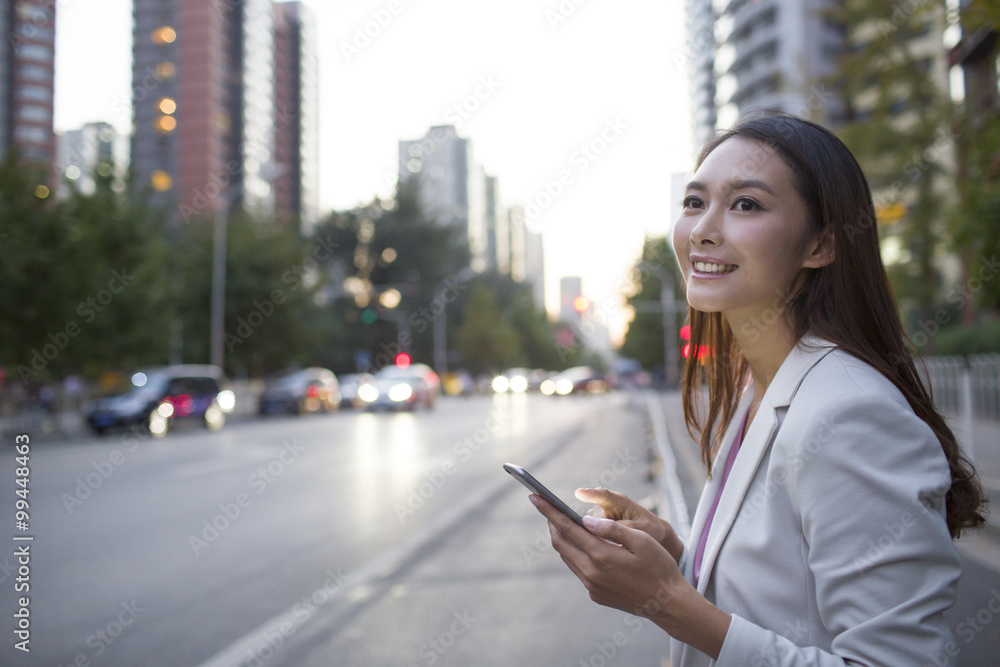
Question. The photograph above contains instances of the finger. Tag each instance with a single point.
(568, 529)
(615, 531)
(613, 505)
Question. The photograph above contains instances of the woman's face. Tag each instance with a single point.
(743, 238)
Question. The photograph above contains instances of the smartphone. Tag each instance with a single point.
(521, 475)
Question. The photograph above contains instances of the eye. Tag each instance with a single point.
(745, 205)
(692, 202)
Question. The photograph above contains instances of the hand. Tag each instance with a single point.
(626, 568)
(629, 513)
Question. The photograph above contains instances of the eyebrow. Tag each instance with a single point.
(735, 185)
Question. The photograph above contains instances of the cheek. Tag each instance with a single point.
(681, 235)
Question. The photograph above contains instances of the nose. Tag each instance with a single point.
(706, 231)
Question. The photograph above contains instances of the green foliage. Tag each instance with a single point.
(644, 338)
(897, 122)
(486, 342)
(979, 338)
(271, 286)
(82, 278)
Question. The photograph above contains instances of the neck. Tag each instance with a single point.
(764, 351)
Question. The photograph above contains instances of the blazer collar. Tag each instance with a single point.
(756, 442)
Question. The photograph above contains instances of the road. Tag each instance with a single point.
(344, 539)
(351, 539)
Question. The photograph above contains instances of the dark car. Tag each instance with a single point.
(301, 392)
(159, 398)
(349, 385)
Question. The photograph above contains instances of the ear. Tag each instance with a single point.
(821, 250)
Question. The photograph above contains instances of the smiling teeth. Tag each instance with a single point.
(704, 267)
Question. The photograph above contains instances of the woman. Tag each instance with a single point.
(824, 534)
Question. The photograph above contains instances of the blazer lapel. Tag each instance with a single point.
(757, 441)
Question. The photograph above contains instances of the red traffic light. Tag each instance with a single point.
(403, 360)
(686, 332)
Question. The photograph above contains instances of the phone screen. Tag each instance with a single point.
(522, 475)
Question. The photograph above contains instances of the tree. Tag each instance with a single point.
(485, 341)
(897, 119)
(83, 280)
(272, 280)
(644, 338)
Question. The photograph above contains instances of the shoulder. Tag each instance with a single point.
(846, 409)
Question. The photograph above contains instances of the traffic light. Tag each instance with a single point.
(368, 316)
(403, 360)
(581, 304)
(685, 333)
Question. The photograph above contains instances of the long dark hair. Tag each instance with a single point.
(848, 302)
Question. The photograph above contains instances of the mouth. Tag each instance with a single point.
(712, 269)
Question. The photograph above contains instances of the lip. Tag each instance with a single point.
(695, 273)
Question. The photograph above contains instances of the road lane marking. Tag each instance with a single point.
(360, 582)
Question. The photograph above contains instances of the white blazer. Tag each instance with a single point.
(829, 545)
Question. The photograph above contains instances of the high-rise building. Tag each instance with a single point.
(203, 103)
(450, 185)
(534, 260)
(745, 54)
(296, 125)
(498, 248)
(27, 77)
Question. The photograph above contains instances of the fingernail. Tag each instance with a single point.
(590, 522)
(534, 500)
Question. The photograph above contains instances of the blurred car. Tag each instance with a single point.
(301, 392)
(458, 383)
(159, 398)
(349, 385)
(576, 380)
(401, 388)
(514, 380)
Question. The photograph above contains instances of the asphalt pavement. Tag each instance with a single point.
(358, 539)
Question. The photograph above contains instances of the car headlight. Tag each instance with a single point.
(500, 384)
(564, 387)
(548, 387)
(400, 393)
(519, 384)
(368, 393)
(165, 410)
(227, 400)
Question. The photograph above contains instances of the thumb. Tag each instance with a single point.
(613, 531)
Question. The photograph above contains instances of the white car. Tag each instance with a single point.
(399, 388)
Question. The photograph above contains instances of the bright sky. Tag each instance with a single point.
(561, 75)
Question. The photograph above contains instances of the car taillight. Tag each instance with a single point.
(312, 392)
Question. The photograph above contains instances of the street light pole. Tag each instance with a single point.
(228, 197)
(440, 320)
